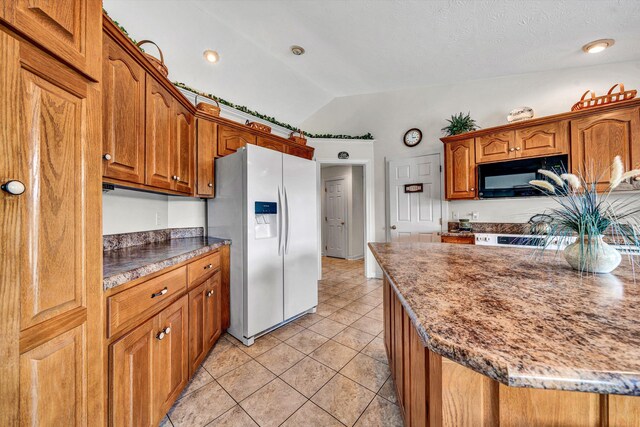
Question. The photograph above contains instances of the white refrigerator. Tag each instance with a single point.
(266, 204)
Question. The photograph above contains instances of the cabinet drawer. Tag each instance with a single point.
(143, 300)
(464, 240)
(203, 268)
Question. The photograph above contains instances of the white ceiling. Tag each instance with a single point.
(365, 46)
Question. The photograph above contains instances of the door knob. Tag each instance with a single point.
(107, 156)
(393, 227)
(342, 223)
(13, 187)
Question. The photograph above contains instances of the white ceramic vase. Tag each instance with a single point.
(592, 256)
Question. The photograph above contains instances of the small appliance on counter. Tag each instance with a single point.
(464, 225)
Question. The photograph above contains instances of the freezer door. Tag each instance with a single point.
(301, 235)
(264, 275)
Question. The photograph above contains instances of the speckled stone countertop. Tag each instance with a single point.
(522, 321)
(132, 262)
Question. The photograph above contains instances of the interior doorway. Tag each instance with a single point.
(414, 210)
(343, 212)
(335, 217)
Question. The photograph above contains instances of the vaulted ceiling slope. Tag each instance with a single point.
(366, 46)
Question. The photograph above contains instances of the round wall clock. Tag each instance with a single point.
(412, 137)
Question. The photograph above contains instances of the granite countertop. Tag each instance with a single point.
(523, 321)
(125, 264)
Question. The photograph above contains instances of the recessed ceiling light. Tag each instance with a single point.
(598, 45)
(211, 56)
(297, 50)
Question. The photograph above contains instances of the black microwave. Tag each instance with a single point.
(511, 179)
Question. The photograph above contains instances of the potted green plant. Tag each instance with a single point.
(460, 123)
(582, 218)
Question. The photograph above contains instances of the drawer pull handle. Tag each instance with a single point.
(208, 266)
(166, 331)
(209, 293)
(160, 293)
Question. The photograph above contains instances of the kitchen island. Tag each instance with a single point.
(495, 336)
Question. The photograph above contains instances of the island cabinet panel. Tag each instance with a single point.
(437, 392)
(542, 140)
(523, 406)
(207, 138)
(624, 411)
(183, 149)
(230, 139)
(160, 127)
(495, 147)
(123, 95)
(69, 29)
(460, 170)
(597, 139)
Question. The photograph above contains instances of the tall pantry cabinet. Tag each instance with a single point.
(51, 320)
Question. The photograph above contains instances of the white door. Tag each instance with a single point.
(335, 218)
(414, 217)
(263, 269)
(300, 235)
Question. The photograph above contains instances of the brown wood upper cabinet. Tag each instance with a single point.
(597, 139)
(460, 170)
(183, 149)
(169, 141)
(542, 140)
(495, 147)
(69, 29)
(207, 132)
(123, 95)
(230, 139)
(159, 136)
(270, 143)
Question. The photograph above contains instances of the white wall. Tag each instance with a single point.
(388, 115)
(354, 205)
(125, 211)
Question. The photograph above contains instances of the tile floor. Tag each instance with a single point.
(325, 369)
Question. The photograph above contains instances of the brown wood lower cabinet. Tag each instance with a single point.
(152, 359)
(463, 240)
(205, 320)
(435, 391)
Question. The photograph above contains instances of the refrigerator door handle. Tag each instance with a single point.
(287, 218)
(280, 224)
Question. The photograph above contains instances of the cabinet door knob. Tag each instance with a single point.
(473, 189)
(210, 184)
(512, 149)
(517, 148)
(160, 335)
(174, 177)
(208, 266)
(13, 187)
(107, 156)
(160, 293)
(167, 330)
(209, 294)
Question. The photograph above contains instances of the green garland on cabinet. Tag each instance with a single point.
(269, 119)
(366, 136)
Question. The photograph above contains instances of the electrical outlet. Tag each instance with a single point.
(455, 215)
(475, 215)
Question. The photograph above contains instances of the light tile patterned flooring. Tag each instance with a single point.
(323, 370)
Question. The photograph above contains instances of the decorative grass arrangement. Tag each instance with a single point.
(583, 216)
(460, 123)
